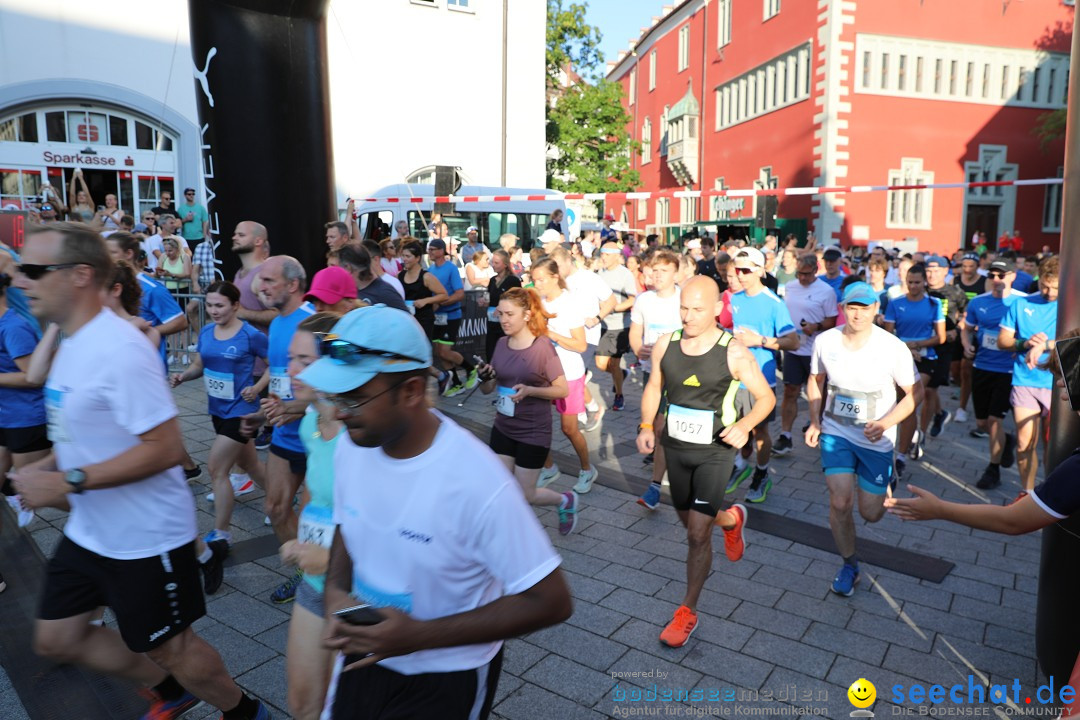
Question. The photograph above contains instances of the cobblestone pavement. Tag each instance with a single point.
(768, 623)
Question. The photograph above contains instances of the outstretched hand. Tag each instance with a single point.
(924, 506)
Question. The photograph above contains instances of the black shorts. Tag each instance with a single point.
(796, 369)
(377, 692)
(530, 457)
(744, 401)
(614, 343)
(230, 428)
(990, 393)
(25, 439)
(937, 370)
(446, 334)
(699, 477)
(154, 598)
(297, 460)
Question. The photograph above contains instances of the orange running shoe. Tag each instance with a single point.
(678, 630)
(734, 542)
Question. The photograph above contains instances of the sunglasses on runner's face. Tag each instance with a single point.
(36, 272)
(347, 353)
(994, 275)
(744, 271)
(350, 407)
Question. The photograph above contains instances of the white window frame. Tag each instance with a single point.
(662, 211)
(632, 94)
(646, 142)
(1051, 215)
(462, 6)
(426, 3)
(642, 209)
(684, 47)
(780, 82)
(910, 208)
(769, 9)
(652, 71)
(723, 29)
(688, 207)
(959, 72)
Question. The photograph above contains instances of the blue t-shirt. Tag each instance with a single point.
(282, 329)
(157, 306)
(450, 278)
(984, 313)
(767, 315)
(1026, 317)
(834, 283)
(916, 320)
(19, 407)
(1023, 282)
(16, 299)
(228, 368)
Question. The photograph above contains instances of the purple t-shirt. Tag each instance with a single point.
(250, 301)
(537, 366)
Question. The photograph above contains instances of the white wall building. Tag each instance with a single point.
(413, 84)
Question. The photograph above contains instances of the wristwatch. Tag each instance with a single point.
(76, 478)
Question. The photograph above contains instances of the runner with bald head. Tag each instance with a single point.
(251, 245)
(698, 369)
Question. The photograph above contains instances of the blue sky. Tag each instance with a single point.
(621, 20)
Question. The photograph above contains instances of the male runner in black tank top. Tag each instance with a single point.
(699, 368)
(973, 284)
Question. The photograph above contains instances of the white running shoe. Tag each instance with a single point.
(586, 478)
(242, 484)
(960, 415)
(547, 476)
(25, 517)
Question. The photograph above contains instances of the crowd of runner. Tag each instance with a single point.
(411, 566)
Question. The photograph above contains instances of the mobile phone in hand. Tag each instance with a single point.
(364, 614)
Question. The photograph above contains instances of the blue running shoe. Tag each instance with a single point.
(738, 477)
(845, 581)
(650, 498)
(263, 713)
(169, 709)
(286, 592)
(619, 404)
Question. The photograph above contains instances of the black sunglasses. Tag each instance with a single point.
(995, 275)
(36, 272)
(347, 353)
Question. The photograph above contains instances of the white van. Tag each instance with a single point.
(527, 220)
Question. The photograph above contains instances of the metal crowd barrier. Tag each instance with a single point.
(181, 345)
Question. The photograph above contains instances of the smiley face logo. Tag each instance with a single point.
(862, 693)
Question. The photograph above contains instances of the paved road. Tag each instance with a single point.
(768, 623)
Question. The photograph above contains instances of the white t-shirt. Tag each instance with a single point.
(861, 383)
(393, 282)
(481, 275)
(106, 387)
(591, 291)
(568, 315)
(433, 536)
(812, 304)
(657, 316)
(149, 245)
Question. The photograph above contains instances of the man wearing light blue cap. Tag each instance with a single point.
(448, 553)
(862, 366)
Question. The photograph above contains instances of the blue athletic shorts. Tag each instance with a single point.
(840, 456)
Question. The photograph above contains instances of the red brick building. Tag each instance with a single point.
(791, 93)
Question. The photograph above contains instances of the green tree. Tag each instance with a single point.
(586, 121)
(1050, 126)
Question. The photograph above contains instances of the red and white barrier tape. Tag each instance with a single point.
(700, 193)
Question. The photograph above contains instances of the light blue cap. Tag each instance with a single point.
(859, 293)
(937, 261)
(377, 328)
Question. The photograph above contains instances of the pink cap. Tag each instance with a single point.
(332, 285)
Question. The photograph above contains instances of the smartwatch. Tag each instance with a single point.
(76, 478)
